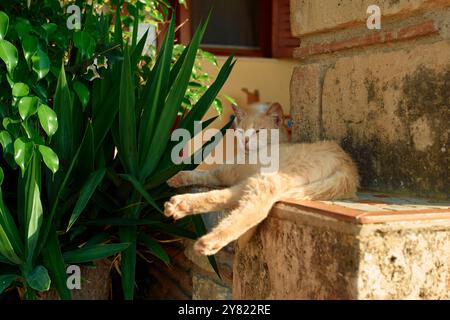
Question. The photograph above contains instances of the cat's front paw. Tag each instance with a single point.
(208, 245)
(179, 180)
(177, 207)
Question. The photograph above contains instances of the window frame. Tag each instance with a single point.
(265, 41)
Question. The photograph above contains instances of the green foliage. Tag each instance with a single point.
(68, 99)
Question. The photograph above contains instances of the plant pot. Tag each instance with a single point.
(95, 283)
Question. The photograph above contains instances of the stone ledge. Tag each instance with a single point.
(370, 208)
(348, 250)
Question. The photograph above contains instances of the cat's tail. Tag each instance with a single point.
(339, 185)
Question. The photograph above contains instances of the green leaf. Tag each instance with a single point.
(38, 279)
(32, 206)
(23, 152)
(10, 246)
(49, 221)
(85, 195)
(28, 106)
(209, 57)
(140, 188)
(29, 47)
(155, 248)
(202, 106)
(4, 260)
(6, 142)
(2, 176)
(48, 119)
(127, 118)
(20, 90)
(230, 99)
(85, 42)
(155, 93)
(22, 26)
(41, 63)
(82, 92)
(137, 51)
(54, 262)
(122, 222)
(64, 143)
(50, 158)
(50, 28)
(4, 24)
(118, 38)
(95, 252)
(6, 280)
(200, 229)
(9, 55)
(128, 261)
(172, 103)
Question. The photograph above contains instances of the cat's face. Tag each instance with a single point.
(259, 124)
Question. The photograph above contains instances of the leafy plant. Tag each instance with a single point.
(146, 116)
(69, 101)
(40, 129)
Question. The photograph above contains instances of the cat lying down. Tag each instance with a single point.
(316, 171)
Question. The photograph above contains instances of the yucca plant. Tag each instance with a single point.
(147, 103)
(44, 130)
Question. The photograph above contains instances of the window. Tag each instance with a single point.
(246, 27)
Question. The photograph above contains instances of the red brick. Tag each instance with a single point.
(411, 32)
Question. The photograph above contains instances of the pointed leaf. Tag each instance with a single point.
(28, 106)
(41, 63)
(38, 279)
(50, 158)
(155, 248)
(6, 280)
(155, 93)
(23, 152)
(127, 118)
(82, 92)
(10, 245)
(172, 105)
(9, 55)
(64, 144)
(6, 142)
(49, 28)
(4, 24)
(85, 195)
(95, 252)
(140, 188)
(85, 42)
(54, 262)
(32, 206)
(200, 229)
(48, 119)
(137, 51)
(29, 47)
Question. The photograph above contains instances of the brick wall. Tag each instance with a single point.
(383, 94)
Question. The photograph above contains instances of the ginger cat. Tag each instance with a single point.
(316, 171)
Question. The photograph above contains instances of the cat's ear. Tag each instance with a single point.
(276, 112)
(240, 114)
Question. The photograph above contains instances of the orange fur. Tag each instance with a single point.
(315, 171)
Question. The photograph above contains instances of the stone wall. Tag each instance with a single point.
(383, 94)
(300, 252)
